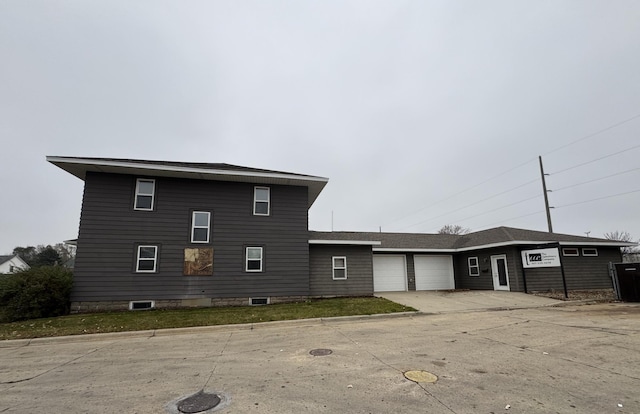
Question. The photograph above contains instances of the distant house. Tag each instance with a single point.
(12, 264)
(175, 234)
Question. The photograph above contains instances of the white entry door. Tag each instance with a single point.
(500, 272)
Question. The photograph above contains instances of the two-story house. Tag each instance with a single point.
(159, 234)
(170, 234)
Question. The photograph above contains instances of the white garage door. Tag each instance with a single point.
(389, 273)
(434, 272)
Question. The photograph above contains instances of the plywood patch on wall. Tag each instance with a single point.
(198, 261)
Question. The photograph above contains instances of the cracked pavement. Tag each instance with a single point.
(573, 359)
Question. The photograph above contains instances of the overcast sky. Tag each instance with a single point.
(421, 113)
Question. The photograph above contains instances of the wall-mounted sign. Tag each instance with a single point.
(541, 258)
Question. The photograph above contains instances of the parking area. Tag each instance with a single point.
(572, 359)
(466, 301)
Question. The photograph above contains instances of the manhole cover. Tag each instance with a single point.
(420, 376)
(198, 403)
(321, 352)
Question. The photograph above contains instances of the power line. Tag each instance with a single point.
(499, 208)
(597, 159)
(594, 180)
(597, 199)
(594, 134)
(470, 205)
(461, 192)
(511, 219)
(617, 124)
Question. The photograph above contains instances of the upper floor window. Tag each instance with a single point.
(200, 226)
(474, 268)
(570, 251)
(147, 259)
(145, 190)
(589, 251)
(261, 201)
(254, 259)
(339, 267)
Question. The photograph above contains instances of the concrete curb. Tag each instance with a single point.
(113, 336)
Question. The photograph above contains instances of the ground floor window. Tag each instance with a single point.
(474, 268)
(339, 267)
(254, 257)
(147, 259)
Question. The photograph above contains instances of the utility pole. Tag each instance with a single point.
(546, 198)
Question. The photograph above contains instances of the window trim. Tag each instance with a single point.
(334, 267)
(565, 253)
(155, 258)
(153, 194)
(476, 266)
(194, 227)
(595, 252)
(246, 259)
(256, 201)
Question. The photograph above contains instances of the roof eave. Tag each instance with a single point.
(347, 242)
(80, 166)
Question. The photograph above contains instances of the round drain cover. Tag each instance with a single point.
(321, 352)
(420, 376)
(198, 403)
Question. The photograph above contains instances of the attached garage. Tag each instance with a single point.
(389, 273)
(434, 272)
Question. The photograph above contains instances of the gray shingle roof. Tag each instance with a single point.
(498, 235)
(5, 258)
(79, 167)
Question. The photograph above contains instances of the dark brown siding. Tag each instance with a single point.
(110, 230)
(359, 280)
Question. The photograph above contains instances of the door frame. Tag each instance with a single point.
(494, 272)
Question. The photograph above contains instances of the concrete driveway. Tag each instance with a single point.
(465, 301)
(573, 359)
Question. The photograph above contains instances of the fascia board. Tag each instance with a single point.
(398, 250)
(79, 166)
(347, 242)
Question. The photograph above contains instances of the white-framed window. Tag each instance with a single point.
(145, 191)
(147, 259)
(200, 226)
(474, 267)
(570, 251)
(254, 259)
(261, 201)
(589, 251)
(339, 267)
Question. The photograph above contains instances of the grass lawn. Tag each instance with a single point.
(180, 318)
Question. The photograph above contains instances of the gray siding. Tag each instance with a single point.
(485, 280)
(411, 271)
(110, 230)
(581, 272)
(359, 280)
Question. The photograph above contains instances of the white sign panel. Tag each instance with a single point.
(541, 258)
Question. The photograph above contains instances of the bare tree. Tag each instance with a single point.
(453, 229)
(624, 236)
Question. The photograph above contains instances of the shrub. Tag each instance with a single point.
(35, 293)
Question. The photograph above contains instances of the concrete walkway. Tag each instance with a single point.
(467, 301)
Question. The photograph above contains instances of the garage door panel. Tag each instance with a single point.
(434, 272)
(389, 273)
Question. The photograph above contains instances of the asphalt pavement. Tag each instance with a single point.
(571, 359)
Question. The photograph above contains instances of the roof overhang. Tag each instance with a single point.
(398, 250)
(501, 244)
(80, 166)
(347, 242)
